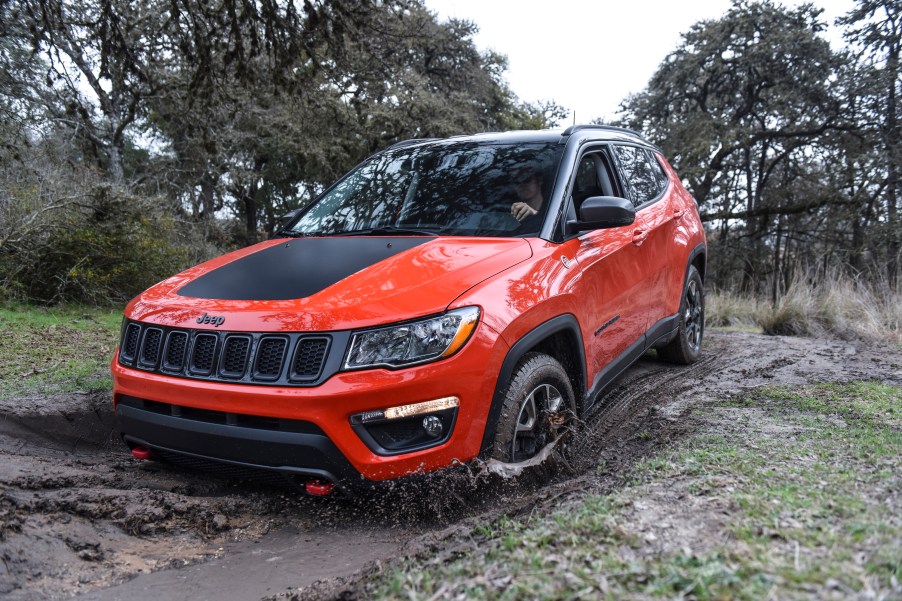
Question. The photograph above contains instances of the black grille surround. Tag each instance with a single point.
(261, 358)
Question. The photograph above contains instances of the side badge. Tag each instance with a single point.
(566, 262)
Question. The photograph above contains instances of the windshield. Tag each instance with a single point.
(457, 188)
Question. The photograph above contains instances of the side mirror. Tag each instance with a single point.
(602, 212)
(287, 217)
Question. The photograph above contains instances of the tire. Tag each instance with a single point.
(686, 347)
(539, 408)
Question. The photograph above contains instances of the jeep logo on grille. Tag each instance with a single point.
(216, 320)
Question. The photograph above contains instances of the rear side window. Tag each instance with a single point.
(663, 180)
(643, 175)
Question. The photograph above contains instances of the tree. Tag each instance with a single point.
(739, 105)
(248, 106)
(101, 58)
(875, 27)
(264, 133)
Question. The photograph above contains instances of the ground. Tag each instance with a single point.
(79, 516)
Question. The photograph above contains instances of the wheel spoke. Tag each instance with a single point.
(553, 398)
(526, 421)
(534, 427)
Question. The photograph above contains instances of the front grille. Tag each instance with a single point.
(291, 359)
(176, 345)
(257, 422)
(308, 358)
(270, 356)
(234, 356)
(129, 347)
(150, 347)
(203, 355)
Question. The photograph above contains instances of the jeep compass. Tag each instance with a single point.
(444, 301)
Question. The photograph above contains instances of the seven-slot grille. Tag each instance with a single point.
(253, 358)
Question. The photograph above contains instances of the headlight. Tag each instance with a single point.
(414, 342)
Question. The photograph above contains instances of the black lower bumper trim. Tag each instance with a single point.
(288, 453)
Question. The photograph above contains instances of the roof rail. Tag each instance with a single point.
(410, 142)
(576, 128)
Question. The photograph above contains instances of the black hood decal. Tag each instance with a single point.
(297, 268)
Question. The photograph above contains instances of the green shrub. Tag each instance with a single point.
(105, 249)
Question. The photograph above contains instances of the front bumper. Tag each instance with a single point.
(305, 452)
(174, 415)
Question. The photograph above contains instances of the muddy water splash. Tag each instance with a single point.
(512, 470)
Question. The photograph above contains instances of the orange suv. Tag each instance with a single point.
(445, 300)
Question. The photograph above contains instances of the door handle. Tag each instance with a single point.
(639, 237)
(678, 214)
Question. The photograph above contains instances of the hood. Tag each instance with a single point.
(320, 284)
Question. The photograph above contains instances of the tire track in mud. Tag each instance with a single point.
(635, 405)
(78, 515)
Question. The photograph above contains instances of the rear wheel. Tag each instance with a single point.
(687, 345)
(539, 408)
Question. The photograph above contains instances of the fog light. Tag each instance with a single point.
(407, 428)
(408, 410)
(432, 425)
(403, 411)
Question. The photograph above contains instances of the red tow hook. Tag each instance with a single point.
(142, 453)
(319, 488)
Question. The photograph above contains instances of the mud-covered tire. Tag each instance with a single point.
(539, 381)
(686, 347)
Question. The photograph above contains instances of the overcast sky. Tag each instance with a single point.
(588, 56)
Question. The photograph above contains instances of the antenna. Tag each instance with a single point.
(574, 117)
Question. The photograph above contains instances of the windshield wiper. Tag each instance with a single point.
(294, 234)
(290, 234)
(388, 230)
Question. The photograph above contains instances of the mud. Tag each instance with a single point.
(80, 517)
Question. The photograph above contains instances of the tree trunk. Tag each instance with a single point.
(115, 166)
(893, 155)
(207, 197)
(250, 214)
(775, 287)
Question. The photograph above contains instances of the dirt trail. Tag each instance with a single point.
(78, 516)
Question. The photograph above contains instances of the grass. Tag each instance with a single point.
(835, 305)
(47, 350)
(782, 494)
(732, 311)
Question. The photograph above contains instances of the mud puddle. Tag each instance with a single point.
(79, 516)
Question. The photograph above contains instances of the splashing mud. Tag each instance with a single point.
(512, 470)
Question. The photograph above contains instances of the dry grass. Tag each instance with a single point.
(836, 305)
(731, 310)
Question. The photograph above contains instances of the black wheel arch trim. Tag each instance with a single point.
(562, 323)
(659, 337)
(700, 249)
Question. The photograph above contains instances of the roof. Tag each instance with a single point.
(594, 132)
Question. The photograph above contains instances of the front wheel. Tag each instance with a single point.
(687, 345)
(539, 408)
